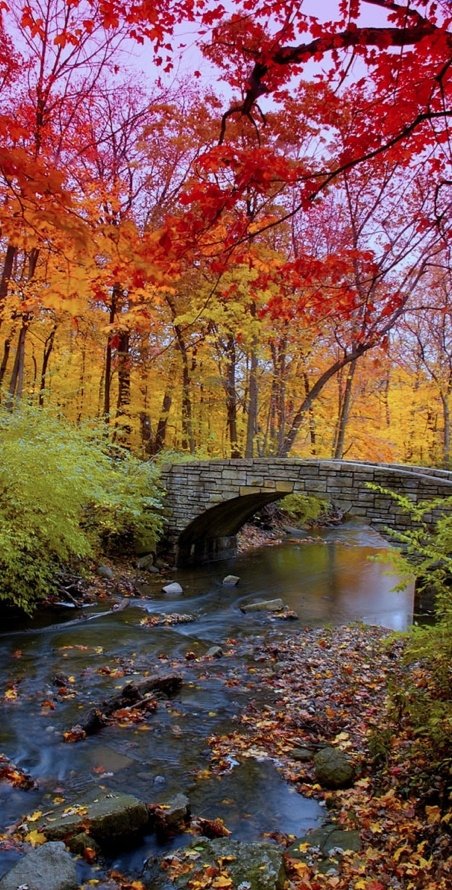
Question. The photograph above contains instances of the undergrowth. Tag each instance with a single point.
(64, 495)
(422, 704)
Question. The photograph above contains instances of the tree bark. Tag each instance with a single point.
(252, 402)
(158, 443)
(187, 413)
(7, 271)
(6, 352)
(445, 403)
(315, 391)
(251, 420)
(109, 353)
(123, 427)
(16, 383)
(48, 347)
(311, 418)
(231, 396)
(344, 413)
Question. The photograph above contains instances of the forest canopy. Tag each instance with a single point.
(225, 227)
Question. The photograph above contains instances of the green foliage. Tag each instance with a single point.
(62, 493)
(171, 456)
(303, 508)
(425, 700)
(426, 547)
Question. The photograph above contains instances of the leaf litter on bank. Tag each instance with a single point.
(330, 687)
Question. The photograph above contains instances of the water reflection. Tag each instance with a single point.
(264, 798)
(332, 580)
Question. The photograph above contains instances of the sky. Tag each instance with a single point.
(188, 58)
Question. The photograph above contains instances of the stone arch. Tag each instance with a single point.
(212, 534)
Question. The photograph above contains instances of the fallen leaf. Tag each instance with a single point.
(34, 816)
(35, 838)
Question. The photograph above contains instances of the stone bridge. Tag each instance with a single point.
(209, 501)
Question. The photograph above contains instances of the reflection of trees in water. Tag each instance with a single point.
(334, 580)
(334, 587)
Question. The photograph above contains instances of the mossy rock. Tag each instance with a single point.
(333, 768)
(109, 817)
(256, 866)
(323, 847)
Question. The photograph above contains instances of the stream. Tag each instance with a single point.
(330, 578)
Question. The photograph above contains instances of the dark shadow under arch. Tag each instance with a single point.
(212, 535)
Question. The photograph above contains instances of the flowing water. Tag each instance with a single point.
(333, 579)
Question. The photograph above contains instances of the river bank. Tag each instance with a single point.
(274, 694)
(331, 687)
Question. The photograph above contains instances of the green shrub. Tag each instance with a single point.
(425, 699)
(303, 508)
(61, 493)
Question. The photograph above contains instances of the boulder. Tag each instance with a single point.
(49, 867)
(256, 866)
(173, 588)
(105, 572)
(214, 652)
(146, 563)
(326, 847)
(82, 843)
(110, 818)
(276, 605)
(328, 839)
(333, 768)
(231, 581)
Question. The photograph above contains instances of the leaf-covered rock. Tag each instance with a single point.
(333, 768)
(109, 817)
(221, 863)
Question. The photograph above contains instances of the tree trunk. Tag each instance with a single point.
(412, 423)
(315, 391)
(160, 436)
(109, 354)
(187, 442)
(123, 428)
(251, 420)
(7, 271)
(6, 352)
(16, 383)
(386, 398)
(445, 402)
(311, 418)
(144, 415)
(252, 404)
(231, 396)
(48, 347)
(344, 413)
(277, 410)
(81, 388)
(187, 413)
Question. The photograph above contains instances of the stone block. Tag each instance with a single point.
(285, 487)
(317, 485)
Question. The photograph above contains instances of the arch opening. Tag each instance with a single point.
(213, 534)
